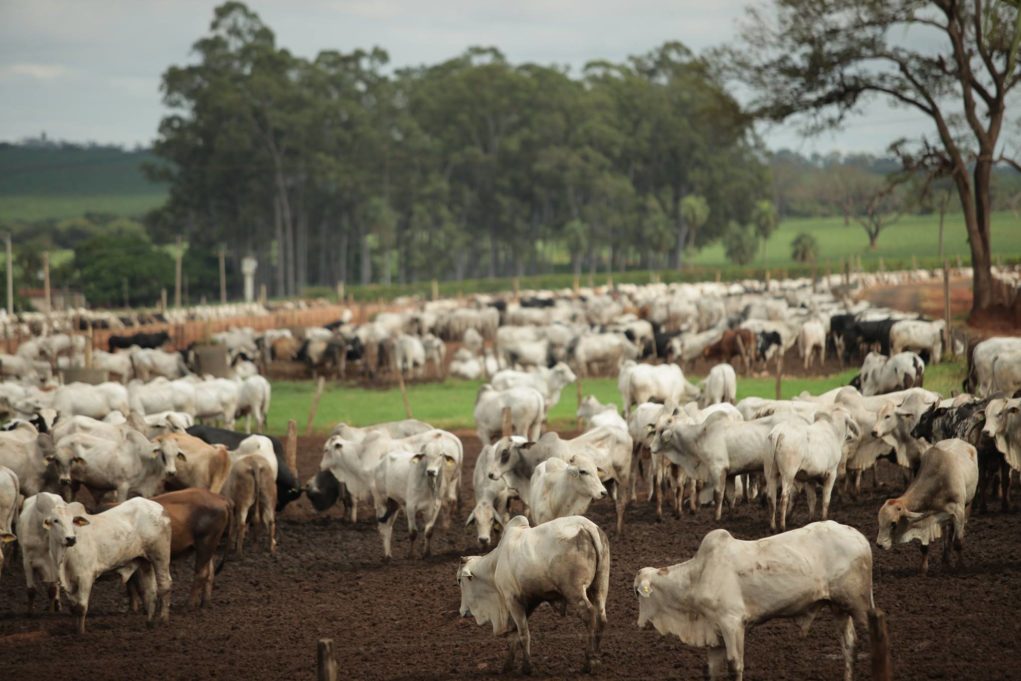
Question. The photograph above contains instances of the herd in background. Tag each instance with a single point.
(675, 441)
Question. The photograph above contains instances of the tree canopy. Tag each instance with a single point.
(340, 169)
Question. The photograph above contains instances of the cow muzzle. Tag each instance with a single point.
(602, 495)
(492, 476)
(65, 481)
(70, 541)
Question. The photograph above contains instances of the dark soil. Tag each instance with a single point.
(400, 621)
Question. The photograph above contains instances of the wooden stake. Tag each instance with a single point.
(517, 289)
(879, 637)
(178, 257)
(291, 446)
(946, 309)
(326, 663)
(223, 276)
(404, 393)
(315, 405)
(779, 373)
(163, 300)
(47, 299)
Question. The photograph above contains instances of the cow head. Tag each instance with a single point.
(485, 518)
(894, 520)
(506, 454)
(433, 462)
(479, 598)
(586, 477)
(59, 458)
(60, 523)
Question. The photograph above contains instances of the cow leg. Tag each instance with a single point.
(785, 498)
(241, 523)
(847, 639)
(924, 567)
(512, 649)
(720, 484)
(733, 639)
(429, 525)
(520, 617)
(589, 614)
(771, 494)
(199, 583)
(693, 495)
(827, 494)
(718, 668)
(386, 517)
(1004, 487)
(620, 502)
(810, 493)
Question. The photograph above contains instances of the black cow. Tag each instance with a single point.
(142, 340)
(860, 334)
(966, 422)
(537, 302)
(288, 488)
(765, 341)
(324, 490)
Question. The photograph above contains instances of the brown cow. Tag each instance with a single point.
(203, 465)
(285, 348)
(252, 487)
(198, 520)
(734, 343)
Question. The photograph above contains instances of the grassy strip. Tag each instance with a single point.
(450, 404)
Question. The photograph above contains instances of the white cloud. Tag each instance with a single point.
(34, 71)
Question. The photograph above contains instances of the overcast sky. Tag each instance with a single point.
(89, 70)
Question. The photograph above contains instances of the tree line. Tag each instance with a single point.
(338, 169)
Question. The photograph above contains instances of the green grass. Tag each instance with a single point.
(450, 404)
(30, 208)
(912, 235)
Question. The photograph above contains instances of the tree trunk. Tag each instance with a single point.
(366, 265)
(978, 226)
(386, 266)
(278, 228)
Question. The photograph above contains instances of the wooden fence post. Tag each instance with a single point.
(946, 309)
(779, 373)
(879, 638)
(404, 393)
(326, 663)
(291, 446)
(315, 405)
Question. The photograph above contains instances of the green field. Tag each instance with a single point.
(31, 208)
(912, 235)
(450, 404)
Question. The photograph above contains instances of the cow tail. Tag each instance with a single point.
(231, 531)
(600, 587)
(259, 506)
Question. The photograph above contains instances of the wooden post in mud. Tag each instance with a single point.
(291, 447)
(879, 639)
(946, 310)
(404, 393)
(315, 405)
(506, 425)
(779, 373)
(326, 663)
(578, 418)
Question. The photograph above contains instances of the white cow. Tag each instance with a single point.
(607, 349)
(913, 334)
(254, 395)
(549, 382)
(134, 466)
(492, 498)
(664, 383)
(10, 500)
(560, 489)
(415, 483)
(34, 459)
(527, 408)
(150, 363)
(881, 374)
(118, 363)
(565, 562)
(719, 386)
(731, 584)
(162, 395)
(217, 399)
(97, 401)
(941, 494)
(594, 414)
(811, 337)
(981, 379)
(33, 541)
(132, 538)
(815, 452)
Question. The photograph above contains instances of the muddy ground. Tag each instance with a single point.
(400, 621)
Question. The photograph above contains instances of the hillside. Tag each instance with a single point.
(50, 180)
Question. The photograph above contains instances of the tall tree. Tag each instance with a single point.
(955, 61)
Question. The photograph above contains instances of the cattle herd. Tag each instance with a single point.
(166, 474)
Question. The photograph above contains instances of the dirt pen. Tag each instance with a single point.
(400, 621)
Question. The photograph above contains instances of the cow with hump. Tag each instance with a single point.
(564, 562)
(731, 584)
(941, 494)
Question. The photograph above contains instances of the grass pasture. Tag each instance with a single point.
(449, 404)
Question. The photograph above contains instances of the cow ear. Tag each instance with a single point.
(181, 456)
(644, 589)
(80, 521)
(417, 457)
(47, 523)
(7, 538)
(468, 523)
(601, 472)
(50, 458)
(77, 459)
(451, 461)
(527, 445)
